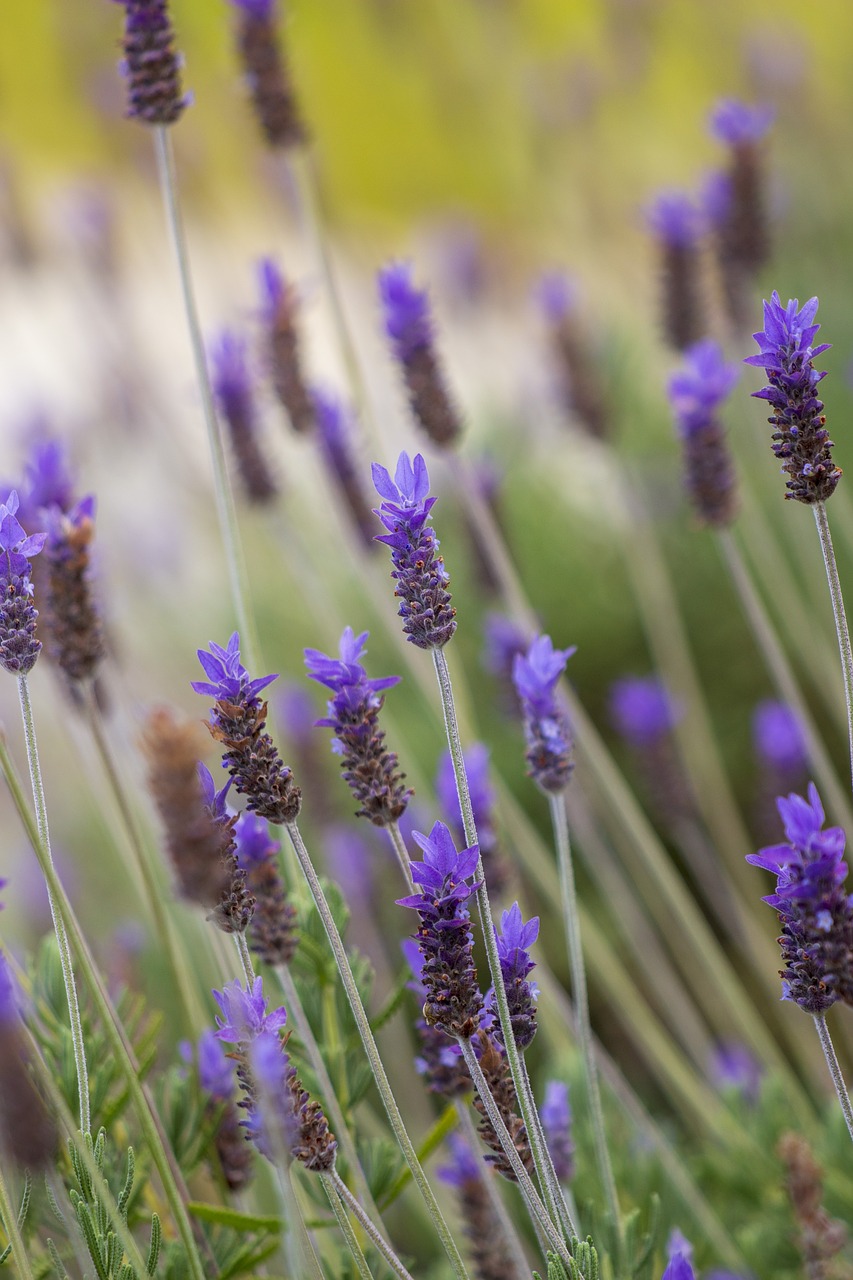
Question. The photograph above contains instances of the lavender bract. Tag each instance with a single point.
(514, 942)
(732, 1066)
(453, 1001)
(815, 911)
(546, 726)
(369, 768)
(696, 393)
(408, 326)
(428, 617)
(232, 386)
(19, 647)
(237, 721)
(800, 437)
(151, 64)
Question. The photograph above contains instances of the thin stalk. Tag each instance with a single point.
(245, 958)
(819, 509)
(535, 1206)
(548, 1181)
(225, 508)
(580, 998)
(369, 1227)
(379, 1074)
(489, 1181)
(396, 837)
(834, 1070)
(149, 1122)
(299, 1244)
(331, 1190)
(77, 1040)
(9, 1215)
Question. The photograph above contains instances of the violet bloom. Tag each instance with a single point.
(557, 296)
(482, 795)
(369, 768)
(237, 721)
(778, 736)
(465, 1168)
(281, 1111)
(19, 647)
(335, 432)
(735, 123)
(641, 710)
(429, 619)
(408, 326)
(581, 386)
(502, 640)
(150, 63)
(678, 1268)
(272, 936)
(514, 942)
(217, 1078)
(546, 726)
(215, 1069)
(279, 313)
(677, 1242)
(232, 386)
(453, 1000)
(48, 481)
(267, 73)
(696, 393)
(815, 911)
(556, 1116)
(741, 230)
(76, 641)
(439, 1062)
(734, 1067)
(244, 1013)
(677, 225)
(800, 437)
(487, 1242)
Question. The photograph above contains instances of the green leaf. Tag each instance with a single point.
(233, 1218)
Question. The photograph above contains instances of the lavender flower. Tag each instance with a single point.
(737, 123)
(677, 1242)
(678, 227)
(514, 942)
(800, 437)
(641, 709)
(237, 721)
(581, 386)
(546, 726)
(556, 1116)
(480, 1224)
(233, 390)
(695, 393)
(678, 1268)
(244, 1013)
(422, 580)
(48, 481)
(279, 307)
(268, 74)
(453, 1001)
(734, 1067)
(439, 1061)
(813, 907)
(335, 436)
(151, 64)
(76, 635)
(408, 326)
(482, 802)
(19, 647)
(27, 1132)
(369, 768)
(502, 640)
(273, 932)
(216, 1077)
(778, 736)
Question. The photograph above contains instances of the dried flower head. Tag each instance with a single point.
(19, 647)
(493, 1061)
(151, 64)
(74, 624)
(800, 437)
(696, 393)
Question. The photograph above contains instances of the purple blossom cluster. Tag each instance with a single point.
(232, 385)
(514, 942)
(151, 65)
(642, 710)
(556, 1115)
(696, 393)
(546, 726)
(19, 647)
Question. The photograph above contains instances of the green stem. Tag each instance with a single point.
(580, 999)
(536, 1208)
(77, 1040)
(369, 1228)
(489, 1180)
(225, 508)
(841, 629)
(331, 1190)
(396, 837)
(834, 1070)
(148, 1120)
(245, 958)
(301, 1255)
(9, 1215)
(548, 1181)
(363, 1024)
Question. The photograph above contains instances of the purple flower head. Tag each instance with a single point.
(48, 481)
(244, 1013)
(368, 767)
(641, 709)
(514, 942)
(273, 288)
(229, 373)
(678, 1268)
(280, 1110)
(678, 1243)
(417, 569)
(405, 310)
(351, 863)
(779, 737)
(262, 9)
(228, 680)
(546, 727)
(737, 123)
(215, 1069)
(336, 435)
(556, 1116)
(734, 1067)
(479, 786)
(700, 386)
(16, 547)
(150, 64)
(254, 843)
(557, 296)
(800, 437)
(439, 1060)
(453, 999)
(267, 73)
(813, 907)
(19, 647)
(503, 639)
(675, 219)
(465, 1167)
